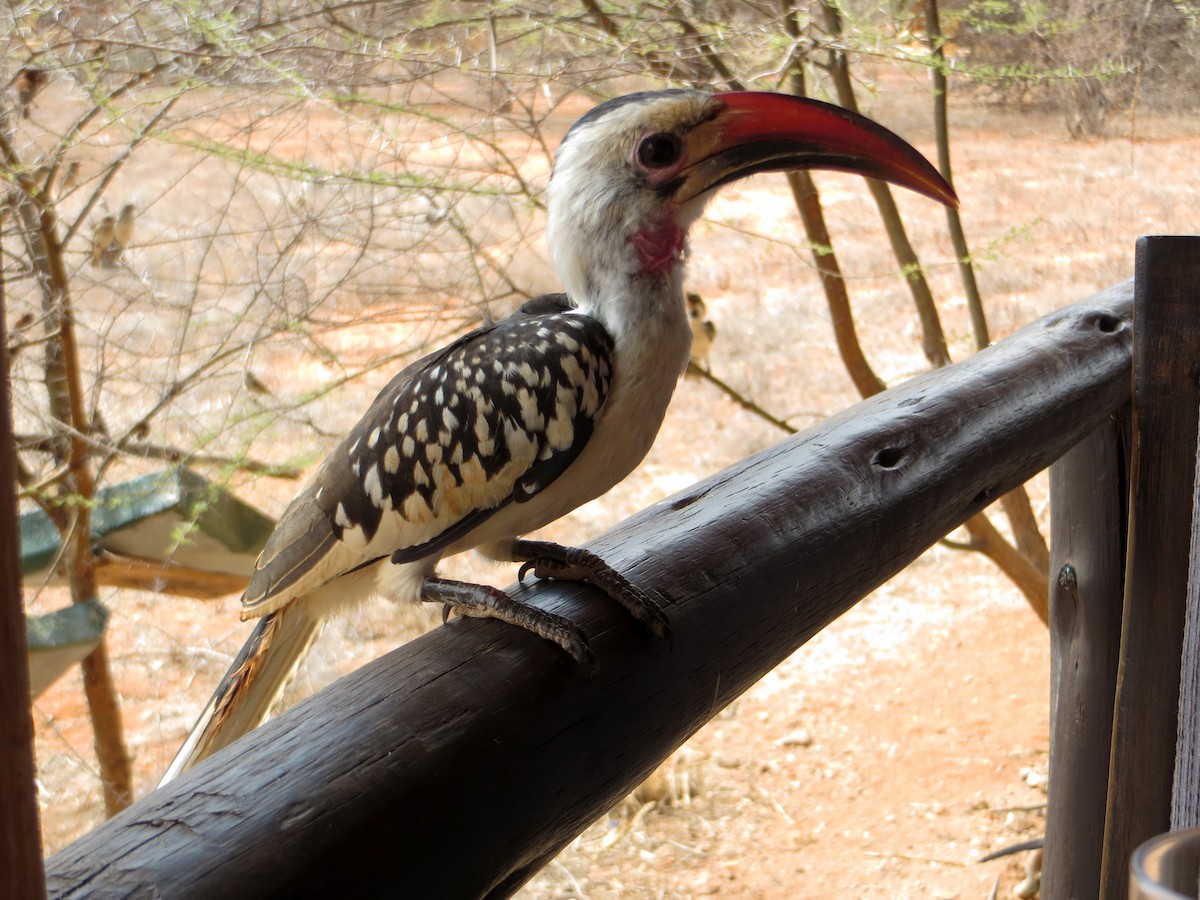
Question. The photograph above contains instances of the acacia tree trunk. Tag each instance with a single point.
(69, 501)
(812, 215)
(941, 128)
(933, 337)
(1030, 567)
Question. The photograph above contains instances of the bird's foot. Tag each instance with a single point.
(479, 601)
(549, 560)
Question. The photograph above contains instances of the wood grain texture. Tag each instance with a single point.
(1165, 408)
(1185, 793)
(1089, 490)
(462, 762)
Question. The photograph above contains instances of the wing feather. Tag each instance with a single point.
(493, 418)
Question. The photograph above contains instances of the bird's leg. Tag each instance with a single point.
(479, 601)
(549, 560)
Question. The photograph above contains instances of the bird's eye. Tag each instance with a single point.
(659, 150)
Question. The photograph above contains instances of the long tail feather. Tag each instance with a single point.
(252, 686)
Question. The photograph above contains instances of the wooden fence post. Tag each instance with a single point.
(1165, 415)
(1089, 489)
(21, 874)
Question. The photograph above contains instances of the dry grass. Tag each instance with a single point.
(891, 751)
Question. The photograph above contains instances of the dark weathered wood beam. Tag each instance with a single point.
(20, 837)
(1166, 416)
(459, 764)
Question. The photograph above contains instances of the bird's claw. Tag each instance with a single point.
(478, 601)
(585, 659)
(575, 564)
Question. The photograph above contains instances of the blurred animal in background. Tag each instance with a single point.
(255, 385)
(29, 82)
(704, 332)
(69, 180)
(39, 176)
(123, 232)
(112, 236)
(102, 240)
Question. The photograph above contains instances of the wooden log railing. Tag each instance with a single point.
(460, 763)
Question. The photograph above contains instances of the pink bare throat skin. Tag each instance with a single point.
(659, 248)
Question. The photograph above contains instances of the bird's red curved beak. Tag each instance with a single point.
(763, 132)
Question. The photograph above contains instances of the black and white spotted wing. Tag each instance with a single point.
(492, 419)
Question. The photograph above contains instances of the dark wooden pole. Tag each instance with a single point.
(21, 873)
(1089, 490)
(1165, 415)
(459, 764)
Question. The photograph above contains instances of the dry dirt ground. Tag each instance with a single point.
(908, 739)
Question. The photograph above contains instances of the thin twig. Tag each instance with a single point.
(740, 399)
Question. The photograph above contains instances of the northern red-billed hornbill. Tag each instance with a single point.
(704, 331)
(519, 422)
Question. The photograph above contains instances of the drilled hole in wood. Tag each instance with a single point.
(889, 457)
